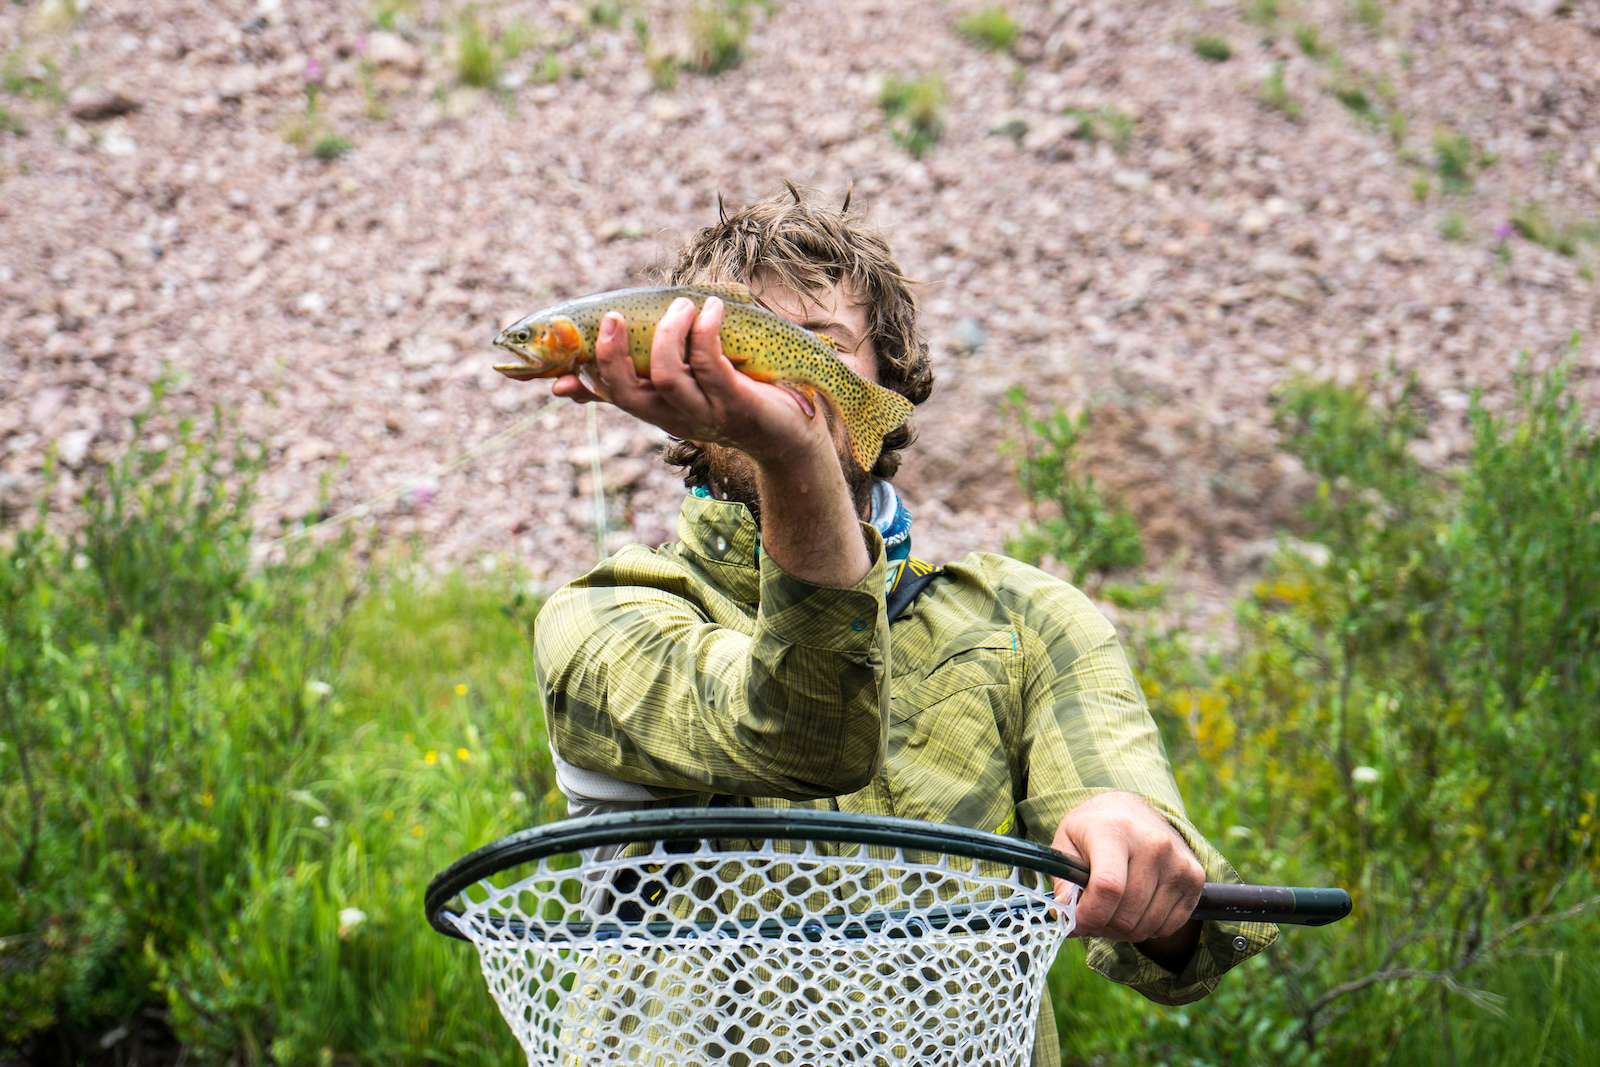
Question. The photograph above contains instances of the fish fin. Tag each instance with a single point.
(828, 340)
(519, 371)
(869, 413)
(728, 292)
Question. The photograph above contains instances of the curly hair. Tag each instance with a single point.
(794, 239)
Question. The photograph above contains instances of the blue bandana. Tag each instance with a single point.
(889, 514)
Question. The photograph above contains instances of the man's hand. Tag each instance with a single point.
(1144, 881)
(809, 525)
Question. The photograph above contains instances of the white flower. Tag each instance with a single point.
(1365, 775)
(349, 918)
(518, 797)
(320, 822)
(322, 689)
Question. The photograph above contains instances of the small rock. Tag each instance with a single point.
(46, 402)
(312, 303)
(387, 49)
(970, 334)
(1254, 221)
(97, 106)
(72, 447)
(1132, 180)
(309, 448)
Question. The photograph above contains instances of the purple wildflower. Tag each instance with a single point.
(361, 45)
(1503, 231)
(313, 70)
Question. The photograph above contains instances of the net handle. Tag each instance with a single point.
(1218, 900)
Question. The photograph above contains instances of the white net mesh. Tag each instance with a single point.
(693, 954)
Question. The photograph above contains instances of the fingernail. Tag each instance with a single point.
(608, 328)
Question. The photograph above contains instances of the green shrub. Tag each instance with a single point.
(718, 30)
(1534, 223)
(1108, 122)
(1263, 13)
(331, 146)
(518, 37)
(1275, 93)
(914, 111)
(1412, 711)
(1211, 47)
(1452, 152)
(1071, 521)
(1354, 98)
(1453, 227)
(223, 785)
(1309, 40)
(476, 62)
(990, 28)
(1369, 13)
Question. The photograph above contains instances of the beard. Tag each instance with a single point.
(733, 477)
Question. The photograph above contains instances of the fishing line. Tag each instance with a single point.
(600, 530)
(504, 437)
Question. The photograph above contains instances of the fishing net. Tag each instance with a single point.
(689, 952)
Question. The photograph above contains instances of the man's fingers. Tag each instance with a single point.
(1108, 880)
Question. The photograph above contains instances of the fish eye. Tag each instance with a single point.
(521, 337)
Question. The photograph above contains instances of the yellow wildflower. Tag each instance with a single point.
(463, 755)
(461, 689)
(431, 758)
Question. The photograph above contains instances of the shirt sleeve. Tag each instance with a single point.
(639, 683)
(1087, 730)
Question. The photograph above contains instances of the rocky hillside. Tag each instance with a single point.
(311, 215)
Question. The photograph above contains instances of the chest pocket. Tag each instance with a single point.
(948, 759)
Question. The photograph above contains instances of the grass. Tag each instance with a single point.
(9, 123)
(1275, 94)
(386, 13)
(1453, 227)
(1563, 236)
(718, 32)
(1213, 48)
(1107, 123)
(519, 36)
(914, 111)
(1369, 13)
(1309, 40)
(477, 64)
(223, 795)
(990, 28)
(1263, 13)
(1355, 99)
(1453, 159)
(1421, 188)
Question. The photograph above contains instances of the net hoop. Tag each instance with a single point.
(785, 824)
(760, 937)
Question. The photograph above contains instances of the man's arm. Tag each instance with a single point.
(1100, 787)
(640, 684)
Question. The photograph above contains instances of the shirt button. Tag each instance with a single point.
(1240, 944)
(859, 624)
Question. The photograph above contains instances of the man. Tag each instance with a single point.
(753, 663)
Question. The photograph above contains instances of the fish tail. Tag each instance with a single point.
(869, 412)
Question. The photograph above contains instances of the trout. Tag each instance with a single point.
(560, 340)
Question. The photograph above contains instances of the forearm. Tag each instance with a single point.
(808, 523)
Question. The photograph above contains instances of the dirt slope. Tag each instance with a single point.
(343, 308)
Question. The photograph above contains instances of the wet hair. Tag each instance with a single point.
(794, 239)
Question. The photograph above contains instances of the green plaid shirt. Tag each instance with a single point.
(1001, 702)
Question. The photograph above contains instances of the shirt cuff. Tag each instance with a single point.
(1222, 946)
(797, 612)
